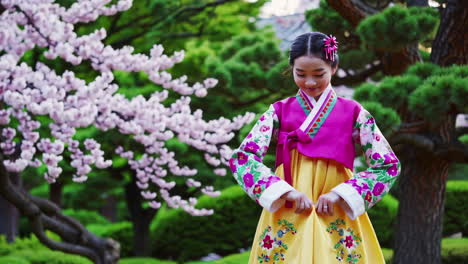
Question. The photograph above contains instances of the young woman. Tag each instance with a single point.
(314, 205)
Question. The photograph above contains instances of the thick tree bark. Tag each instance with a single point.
(421, 193)
(109, 209)
(9, 215)
(417, 2)
(348, 10)
(395, 63)
(141, 219)
(45, 215)
(451, 43)
(55, 193)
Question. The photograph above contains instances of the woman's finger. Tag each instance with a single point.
(330, 208)
(302, 206)
(319, 206)
(309, 205)
(298, 206)
(325, 206)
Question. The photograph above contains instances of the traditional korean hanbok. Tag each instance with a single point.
(315, 155)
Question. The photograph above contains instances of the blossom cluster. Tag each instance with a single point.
(71, 103)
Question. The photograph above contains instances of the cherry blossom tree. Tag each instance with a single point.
(31, 91)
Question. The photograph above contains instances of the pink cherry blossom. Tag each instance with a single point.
(27, 92)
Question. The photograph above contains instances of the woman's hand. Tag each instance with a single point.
(303, 203)
(326, 203)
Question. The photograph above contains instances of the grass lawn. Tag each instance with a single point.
(450, 246)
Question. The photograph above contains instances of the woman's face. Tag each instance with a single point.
(312, 75)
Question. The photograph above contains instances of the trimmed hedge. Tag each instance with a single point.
(26, 243)
(29, 250)
(180, 236)
(86, 217)
(13, 260)
(383, 217)
(121, 232)
(454, 251)
(456, 206)
(144, 261)
(50, 257)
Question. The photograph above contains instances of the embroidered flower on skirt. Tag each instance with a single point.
(272, 245)
(346, 247)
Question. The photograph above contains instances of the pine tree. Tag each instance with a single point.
(417, 97)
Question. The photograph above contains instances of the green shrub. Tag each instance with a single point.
(49, 257)
(388, 255)
(235, 259)
(456, 206)
(178, 235)
(454, 251)
(26, 243)
(86, 217)
(144, 261)
(121, 232)
(13, 260)
(383, 217)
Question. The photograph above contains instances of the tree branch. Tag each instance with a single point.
(199, 8)
(113, 25)
(43, 214)
(52, 210)
(175, 14)
(412, 127)
(454, 152)
(38, 229)
(184, 34)
(351, 10)
(357, 78)
(419, 141)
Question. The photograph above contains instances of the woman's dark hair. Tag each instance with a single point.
(310, 44)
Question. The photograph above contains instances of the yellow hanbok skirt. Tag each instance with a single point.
(311, 238)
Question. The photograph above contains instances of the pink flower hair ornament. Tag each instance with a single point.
(331, 47)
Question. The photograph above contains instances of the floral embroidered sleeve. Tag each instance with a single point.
(368, 187)
(246, 163)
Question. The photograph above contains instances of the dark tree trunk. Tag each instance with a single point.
(141, 219)
(451, 43)
(417, 2)
(9, 215)
(396, 63)
(45, 215)
(55, 193)
(109, 209)
(421, 193)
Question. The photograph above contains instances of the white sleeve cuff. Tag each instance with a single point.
(354, 205)
(270, 198)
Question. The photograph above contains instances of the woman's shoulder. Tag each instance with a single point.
(350, 106)
(284, 102)
(349, 102)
